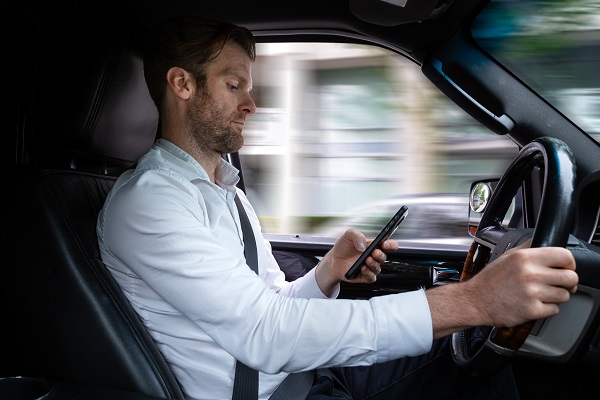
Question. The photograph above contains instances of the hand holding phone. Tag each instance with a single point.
(385, 233)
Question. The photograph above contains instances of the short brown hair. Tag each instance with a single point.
(190, 43)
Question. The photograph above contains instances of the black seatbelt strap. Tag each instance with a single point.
(245, 385)
(294, 387)
(250, 251)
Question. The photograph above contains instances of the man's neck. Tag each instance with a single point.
(208, 159)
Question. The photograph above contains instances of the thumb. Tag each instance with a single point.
(357, 238)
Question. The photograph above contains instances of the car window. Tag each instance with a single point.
(557, 53)
(345, 134)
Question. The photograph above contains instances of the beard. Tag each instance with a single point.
(210, 126)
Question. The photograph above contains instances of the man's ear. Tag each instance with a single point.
(180, 82)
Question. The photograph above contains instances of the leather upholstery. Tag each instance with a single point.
(100, 111)
(68, 321)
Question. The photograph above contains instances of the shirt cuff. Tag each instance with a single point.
(308, 288)
(405, 322)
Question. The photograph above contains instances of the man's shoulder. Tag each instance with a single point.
(162, 160)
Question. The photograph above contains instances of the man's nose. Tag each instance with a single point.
(248, 106)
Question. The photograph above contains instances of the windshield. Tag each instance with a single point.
(554, 47)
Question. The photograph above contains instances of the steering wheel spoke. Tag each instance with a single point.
(490, 236)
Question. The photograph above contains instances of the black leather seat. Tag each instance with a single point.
(67, 320)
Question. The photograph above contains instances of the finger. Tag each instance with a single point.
(376, 269)
(573, 289)
(557, 257)
(373, 265)
(555, 295)
(367, 275)
(563, 278)
(378, 256)
(358, 239)
(546, 310)
(390, 245)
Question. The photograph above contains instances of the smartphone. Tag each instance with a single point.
(385, 233)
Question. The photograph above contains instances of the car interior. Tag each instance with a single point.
(80, 114)
(67, 293)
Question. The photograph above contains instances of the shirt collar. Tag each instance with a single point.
(226, 175)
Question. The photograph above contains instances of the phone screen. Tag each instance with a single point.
(385, 233)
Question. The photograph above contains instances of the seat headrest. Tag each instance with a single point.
(105, 113)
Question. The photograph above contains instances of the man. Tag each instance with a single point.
(171, 236)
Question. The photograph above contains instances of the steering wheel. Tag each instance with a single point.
(492, 239)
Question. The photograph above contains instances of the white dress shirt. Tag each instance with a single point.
(172, 239)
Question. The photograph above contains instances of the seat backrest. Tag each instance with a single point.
(67, 320)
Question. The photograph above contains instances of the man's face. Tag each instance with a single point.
(221, 106)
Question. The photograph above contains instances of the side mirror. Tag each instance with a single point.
(479, 197)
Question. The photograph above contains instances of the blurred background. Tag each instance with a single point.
(346, 134)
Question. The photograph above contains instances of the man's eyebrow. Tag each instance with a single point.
(237, 72)
(241, 76)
